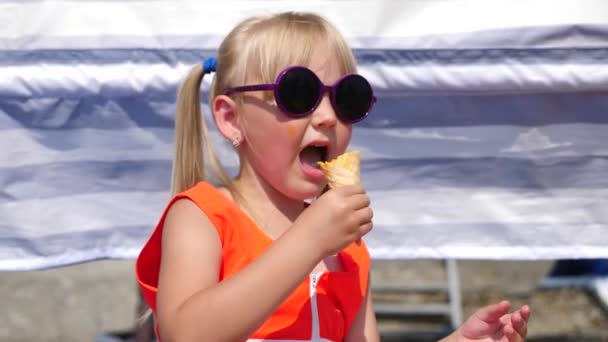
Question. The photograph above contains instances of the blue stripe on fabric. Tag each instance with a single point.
(499, 109)
(86, 112)
(89, 177)
(481, 56)
(389, 112)
(551, 173)
(464, 56)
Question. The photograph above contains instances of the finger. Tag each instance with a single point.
(493, 313)
(525, 312)
(363, 216)
(359, 201)
(507, 332)
(519, 323)
(350, 190)
(511, 335)
(516, 321)
(365, 228)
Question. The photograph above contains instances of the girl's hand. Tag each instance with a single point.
(493, 323)
(337, 218)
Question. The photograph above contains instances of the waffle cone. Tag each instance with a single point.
(344, 170)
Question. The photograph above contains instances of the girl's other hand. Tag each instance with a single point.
(494, 323)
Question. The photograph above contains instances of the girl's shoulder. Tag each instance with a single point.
(215, 202)
(220, 208)
(214, 205)
(209, 198)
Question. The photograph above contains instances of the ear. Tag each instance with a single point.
(225, 114)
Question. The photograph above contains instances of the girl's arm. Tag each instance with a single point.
(193, 306)
(364, 328)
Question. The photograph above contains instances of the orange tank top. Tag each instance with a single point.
(323, 306)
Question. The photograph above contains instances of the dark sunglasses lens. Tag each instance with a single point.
(353, 98)
(298, 91)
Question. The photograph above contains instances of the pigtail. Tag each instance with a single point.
(193, 145)
(188, 162)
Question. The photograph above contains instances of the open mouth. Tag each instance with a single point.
(312, 154)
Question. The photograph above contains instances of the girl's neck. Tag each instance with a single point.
(270, 209)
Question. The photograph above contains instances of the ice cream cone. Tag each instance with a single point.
(344, 170)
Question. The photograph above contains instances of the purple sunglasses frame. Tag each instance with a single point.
(322, 90)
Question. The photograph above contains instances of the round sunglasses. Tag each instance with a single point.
(298, 92)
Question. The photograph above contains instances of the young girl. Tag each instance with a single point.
(250, 259)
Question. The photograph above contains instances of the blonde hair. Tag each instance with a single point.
(260, 48)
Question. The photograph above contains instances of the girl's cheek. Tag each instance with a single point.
(347, 135)
(292, 133)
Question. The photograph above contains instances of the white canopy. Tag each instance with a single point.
(489, 139)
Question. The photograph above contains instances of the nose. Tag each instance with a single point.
(324, 115)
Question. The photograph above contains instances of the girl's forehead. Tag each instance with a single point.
(323, 61)
(326, 66)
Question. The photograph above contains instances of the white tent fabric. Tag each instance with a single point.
(489, 139)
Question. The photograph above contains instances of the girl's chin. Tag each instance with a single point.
(307, 191)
